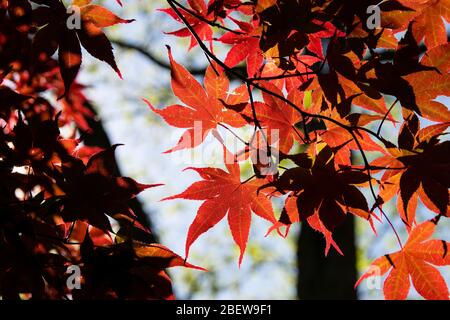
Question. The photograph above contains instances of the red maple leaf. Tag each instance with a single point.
(300, 65)
(55, 33)
(278, 118)
(428, 16)
(338, 137)
(432, 84)
(315, 39)
(201, 28)
(414, 262)
(226, 195)
(205, 109)
(245, 46)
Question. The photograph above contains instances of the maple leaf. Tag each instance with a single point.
(429, 85)
(222, 8)
(226, 195)
(138, 268)
(425, 135)
(77, 150)
(315, 39)
(349, 12)
(245, 46)
(340, 139)
(417, 169)
(362, 100)
(344, 85)
(364, 97)
(290, 215)
(321, 190)
(53, 20)
(287, 26)
(414, 262)
(9, 99)
(20, 14)
(92, 191)
(74, 108)
(391, 77)
(428, 21)
(360, 39)
(201, 28)
(162, 256)
(278, 118)
(428, 171)
(35, 144)
(283, 76)
(204, 108)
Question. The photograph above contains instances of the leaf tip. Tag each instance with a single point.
(119, 73)
(154, 185)
(149, 104)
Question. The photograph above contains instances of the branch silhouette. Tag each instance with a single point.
(197, 71)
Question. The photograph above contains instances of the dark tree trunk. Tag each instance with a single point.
(331, 277)
(100, 138)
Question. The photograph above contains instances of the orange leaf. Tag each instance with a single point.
(414, 261)
(204, 109)
(101, 16)
(224, 193)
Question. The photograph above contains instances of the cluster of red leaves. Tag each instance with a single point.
(62, 202)
(324, 77)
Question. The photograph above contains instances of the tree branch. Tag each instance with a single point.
(149, 55)
(165, 65)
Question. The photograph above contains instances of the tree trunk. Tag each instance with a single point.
(100, 138)
(331, 277)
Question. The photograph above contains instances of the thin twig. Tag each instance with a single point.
(385, 116)
(367, 164)
(201, 18)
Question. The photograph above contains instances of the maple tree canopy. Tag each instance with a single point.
(314, 72)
